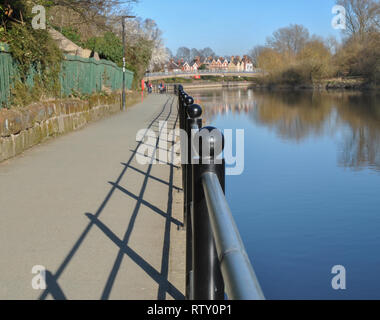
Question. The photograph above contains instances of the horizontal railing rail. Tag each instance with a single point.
(238, 275)
(216, 261)
(202, 72)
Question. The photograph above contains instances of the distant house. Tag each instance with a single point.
(248, 64)
(213, 66)
(232, 65)
(242, 65)
(207, 62)
(235, 64)
(172, 66)
(198, 61)
(238, 64)
(224, 64)
(217, 64)
(194, 66)
(221, 64)
(186, 67)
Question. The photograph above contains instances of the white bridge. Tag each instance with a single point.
(218, 73)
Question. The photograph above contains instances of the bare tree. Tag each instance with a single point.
(90, 17)
(289, 39)
(169, 53)
(255, 53)
(159, 58)
(362, 16)
(159, 53)
(207, 52)
(183, 53)
(333, 44)
(190, 54)
(86, 7)
(151, 31)
(194, 53)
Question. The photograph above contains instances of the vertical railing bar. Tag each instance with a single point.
(208, 264)
(193, 124)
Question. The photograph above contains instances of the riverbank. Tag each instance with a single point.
(216, 85)
(352, 84)
(271, 87)
(325, 85)
(349, 83)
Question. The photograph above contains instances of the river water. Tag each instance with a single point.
(309, 196)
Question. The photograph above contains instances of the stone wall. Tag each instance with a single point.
(23, 128)
(69, 47)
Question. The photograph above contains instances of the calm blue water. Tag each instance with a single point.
(309, 197)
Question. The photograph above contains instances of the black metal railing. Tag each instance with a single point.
(216, 261)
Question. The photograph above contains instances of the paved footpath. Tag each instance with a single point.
(103, 226)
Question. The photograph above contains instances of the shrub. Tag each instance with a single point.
(109, 47)
(36, 55)
(138, 54)
(361, 57)
(72, 34)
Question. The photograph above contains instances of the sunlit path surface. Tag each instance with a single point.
(103, 225)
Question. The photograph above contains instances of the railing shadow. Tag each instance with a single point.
(151, 271)
(161, 277)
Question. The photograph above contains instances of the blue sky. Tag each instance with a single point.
(234, 26)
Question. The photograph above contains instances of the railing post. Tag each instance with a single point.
(207, 278)
(193, 124)
(181, 99)
(185, 95)
(181, 112)
(185, 167)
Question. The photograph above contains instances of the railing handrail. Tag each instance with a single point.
(238, 274)
(216, 260)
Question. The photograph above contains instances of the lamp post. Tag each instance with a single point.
(123, 96)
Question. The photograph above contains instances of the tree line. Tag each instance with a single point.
(292, 56)
(91, 24)
(191, 54)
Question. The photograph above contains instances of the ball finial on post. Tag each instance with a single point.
(194, 111)
(189, 101)
(212, 142)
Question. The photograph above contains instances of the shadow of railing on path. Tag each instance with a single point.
(160, 277)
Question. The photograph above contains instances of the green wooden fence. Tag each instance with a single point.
(7, 72)
(77, 75)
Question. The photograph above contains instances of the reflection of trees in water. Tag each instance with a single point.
(361, 144)
(293, 115)
(220, 102)
(361, 148)
(299, 115)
